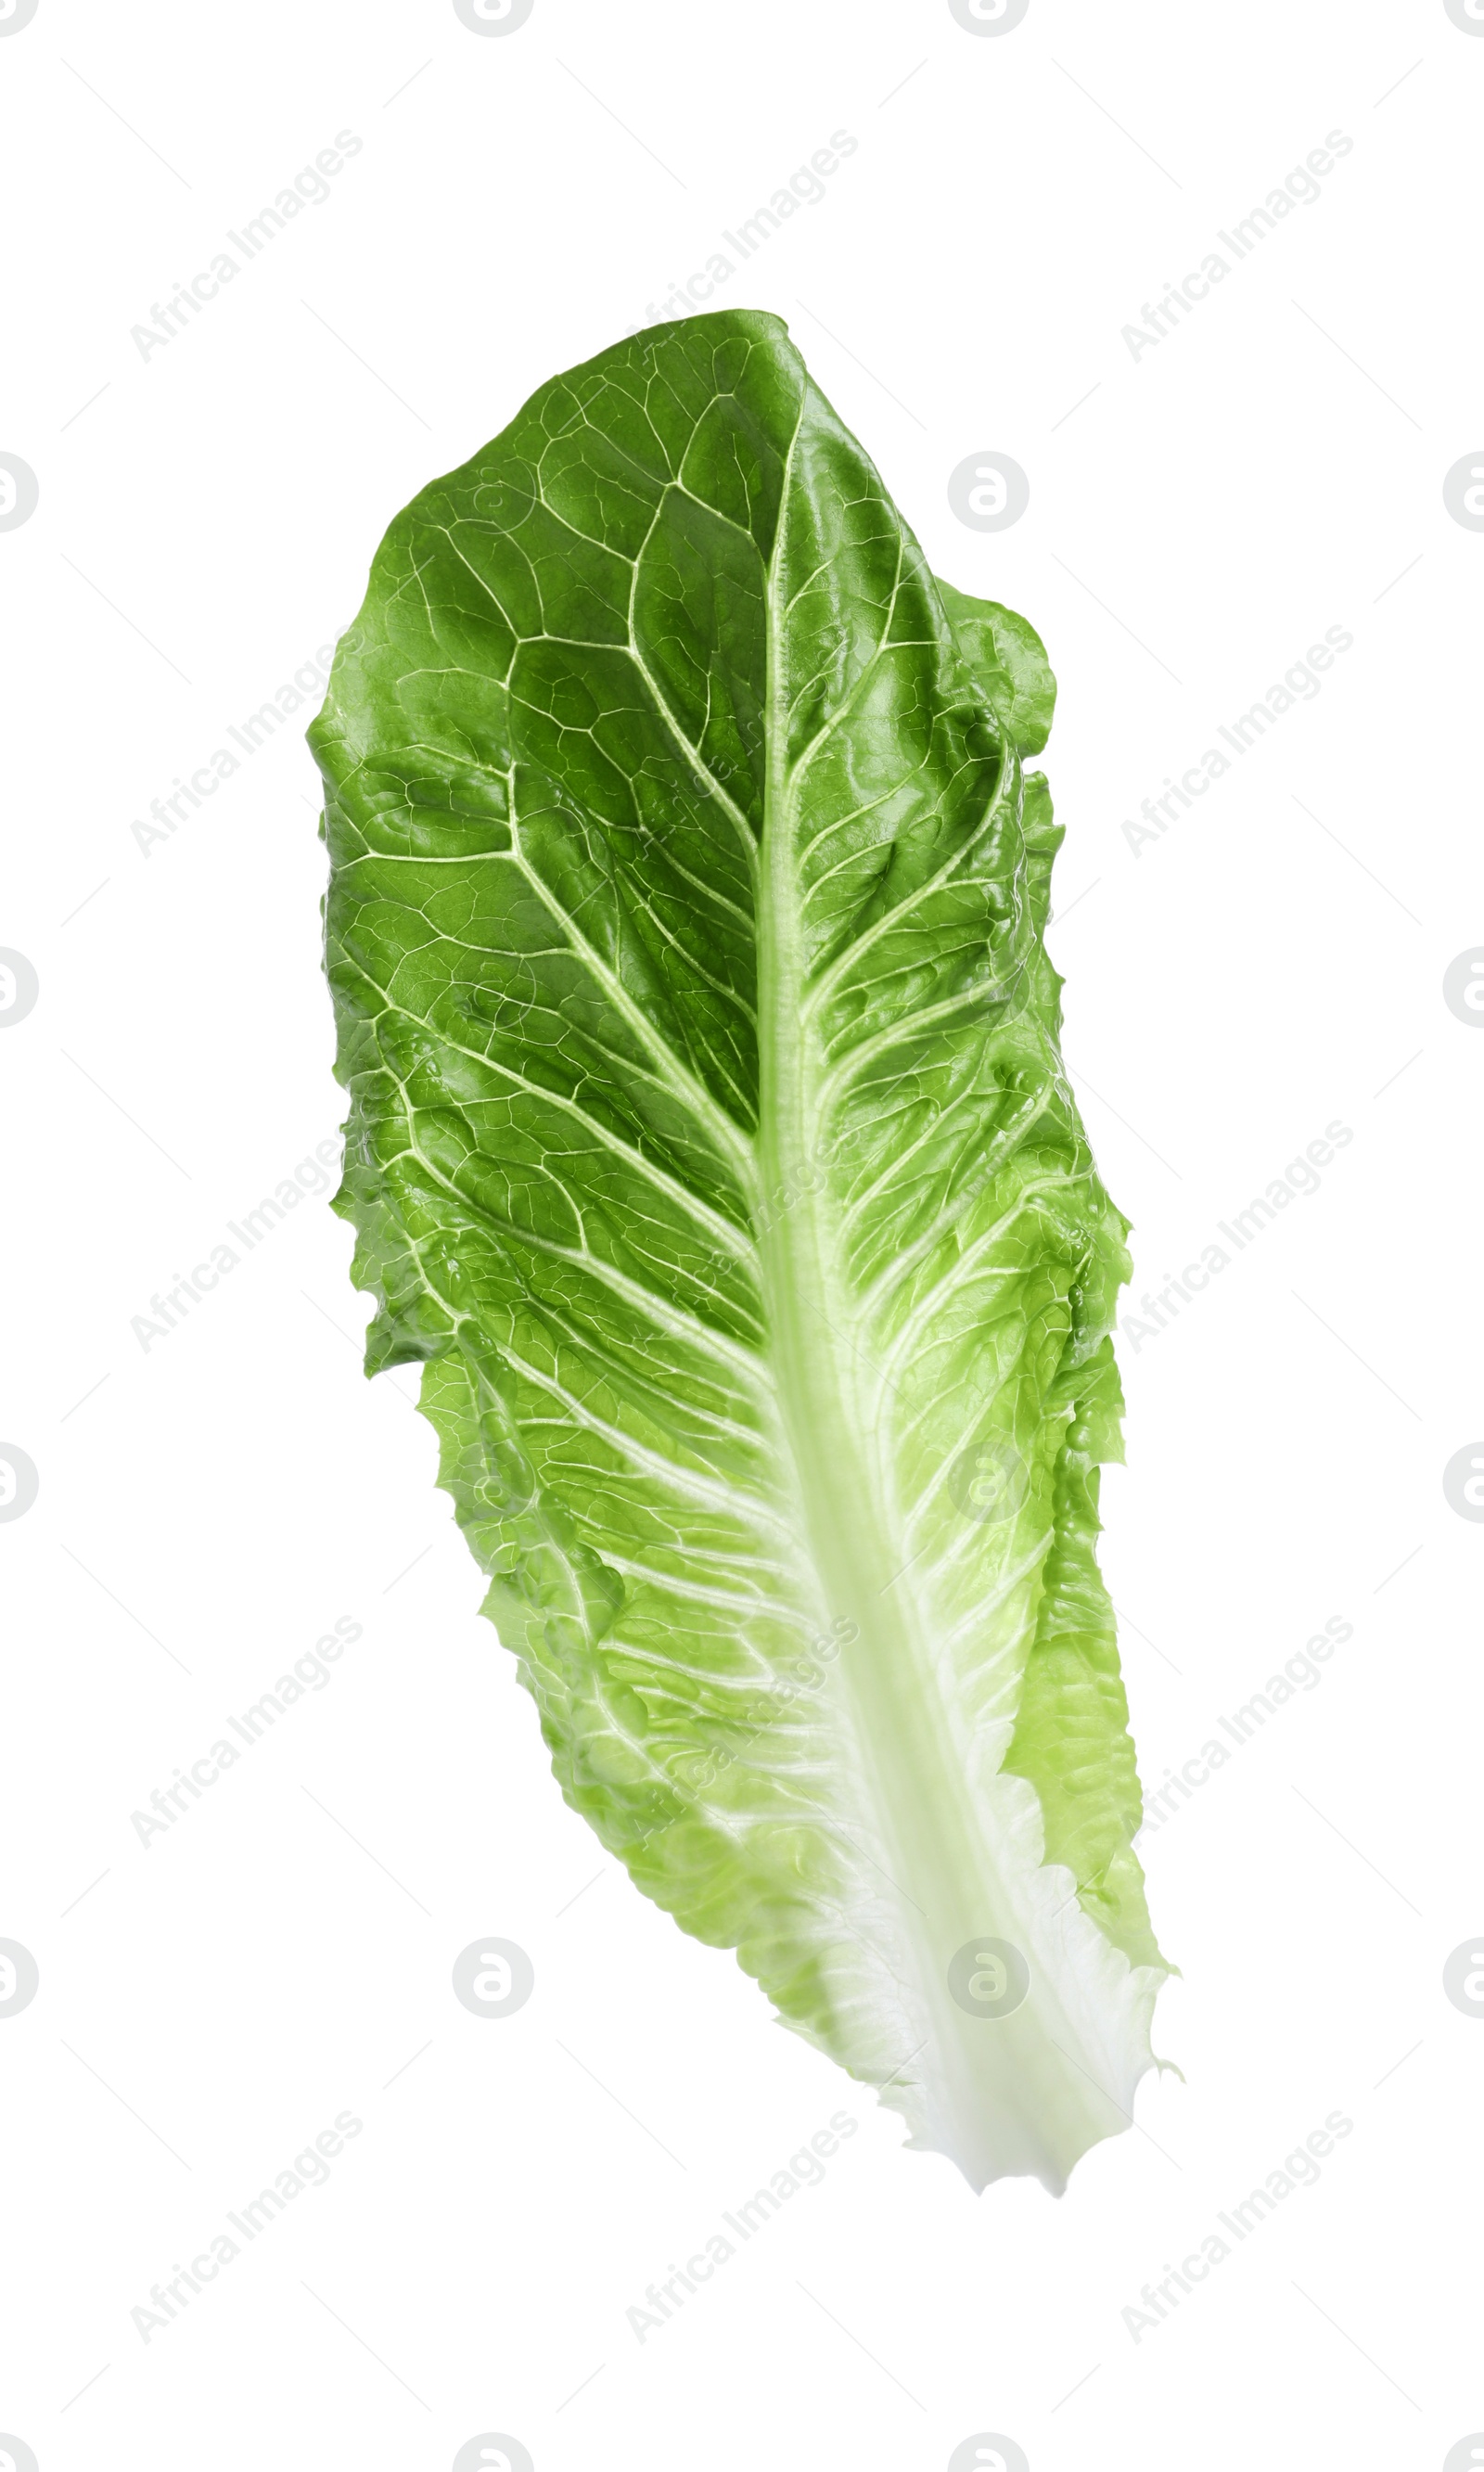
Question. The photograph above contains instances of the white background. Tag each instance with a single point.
(208, 1506)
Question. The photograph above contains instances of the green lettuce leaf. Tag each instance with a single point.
(710, 1146)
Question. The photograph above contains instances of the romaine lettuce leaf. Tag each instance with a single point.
(710, 1146)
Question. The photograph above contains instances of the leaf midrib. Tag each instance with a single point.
(847, 1530)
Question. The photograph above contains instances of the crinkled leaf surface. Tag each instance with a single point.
(710, 1146)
